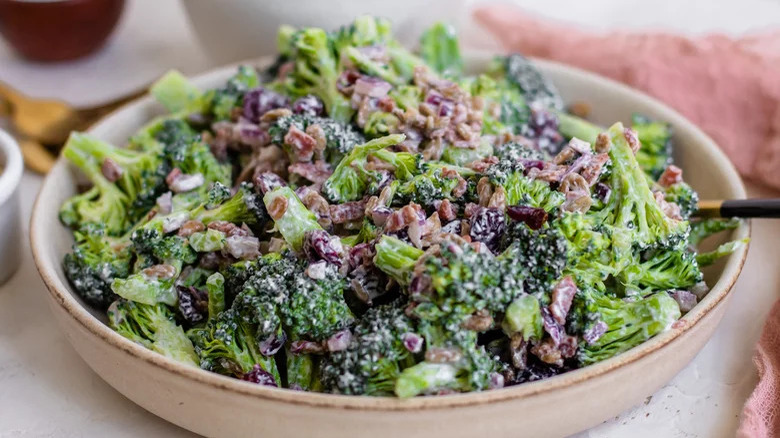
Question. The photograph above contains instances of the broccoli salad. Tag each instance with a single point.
(363, 219)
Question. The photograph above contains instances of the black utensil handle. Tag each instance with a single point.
(745, 208)
(769, 208)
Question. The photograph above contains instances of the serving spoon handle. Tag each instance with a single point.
(744, 208)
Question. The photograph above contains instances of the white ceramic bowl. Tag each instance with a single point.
(232, 30)
(214, 405)
(11, 167)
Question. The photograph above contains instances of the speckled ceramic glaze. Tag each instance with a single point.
(214, 405)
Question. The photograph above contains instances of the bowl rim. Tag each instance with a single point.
(720, 290)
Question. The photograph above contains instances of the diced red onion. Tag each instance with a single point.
(243, 247)
(372, 87)
(165, 202)
(685, 299)
(595, 332)
(412, 342)
(339, 341)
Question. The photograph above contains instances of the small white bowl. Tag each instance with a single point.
(10, 225)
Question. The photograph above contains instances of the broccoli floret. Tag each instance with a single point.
(704, 228)
(521, 190)
(537, 258)
(177, 94)
(684, 196)
(142, 173)
(376, 355)
(629, 322)
(96, 260)
(351, 180)
(222, 101)
(227, 345)
(244, 207)
(316, 309)
(656, 139)
(152, 326)
(469, 369)
(505, 109)
(536, 88)
(185, 150)
(524, 316)
(104, 204)
(439, 49)
(665, 269)
(340, 137)
(236, 275)
(316, 71)
(295, 220)
(632, 211)
(428, 187)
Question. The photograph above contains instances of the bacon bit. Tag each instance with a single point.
(302, 143)
(670, 209)
(592, 170)
(483, 164)
(603, 143)
(550, 173)
(404, 216)
(671, 176)
(278, 207)
(484, 191)
(316, 132)
(160, 272)
(632, 138)
(470, 209)
(562, 295)
(190, 227)
(172, 175)
(316, 172)
(480, 321)
(111, 170)
(243, 247)
(442, 355)
(447, 210)
(227, 228)
(347, 212)
(498, 200)
(577, 192)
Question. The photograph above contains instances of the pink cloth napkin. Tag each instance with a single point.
(729, 87)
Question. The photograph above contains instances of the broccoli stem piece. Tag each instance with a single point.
(215, 285)
(302, 372)
(708, 258)
(423, 378)
(704, 228)
(572, 126)
(524, 316)
(296, 219)
(396, 258)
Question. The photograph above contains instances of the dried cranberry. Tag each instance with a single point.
(487, 226)
(531, 216)
(595, 331)
(602, 191)
(318, 245)
(193, 304)
(261, 100)
(260, 376)
(309, 105)
(532, 164)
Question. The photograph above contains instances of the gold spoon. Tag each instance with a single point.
(42, 122)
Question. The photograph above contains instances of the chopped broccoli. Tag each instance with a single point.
(351, 180)
(703, 228)
(295, 219)
(177, 94)
(684, 196)
(152, 326)
(708, 258)
(656, 139)
(536, 88)
(223, 100)
(340, 137)
(439, 49)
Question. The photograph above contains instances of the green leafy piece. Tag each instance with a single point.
(708, 258)
(207, 241)
(439, 49)
(177, 94)
(524, 316)
(146, 288)
(296, 219)
(704, 228)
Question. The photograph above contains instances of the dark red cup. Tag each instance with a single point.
(58, 30)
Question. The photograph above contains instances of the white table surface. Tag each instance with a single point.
(47, 390)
